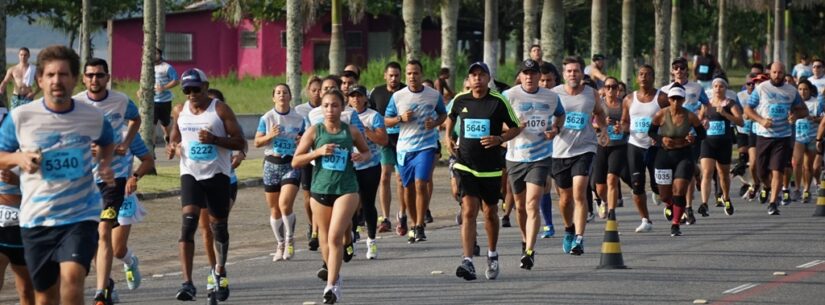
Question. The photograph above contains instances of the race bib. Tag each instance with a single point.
(63, 164)
(536, 124)
(476, 128)
(202, 152)
(284, 146)
(778, 111)
(703, 69)
(129, 206)
(9, 216)
(640, 124)
(716, 128)
(663, 176)
(337, 161)
(614, 134)
(576, 120)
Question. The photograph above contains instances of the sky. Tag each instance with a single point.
(20, 34)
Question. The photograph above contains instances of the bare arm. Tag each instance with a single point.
(377, 135)
(174, 133)
(303, 155)
(5, 81)
(361, 144)
(234, 139)
(131, 130)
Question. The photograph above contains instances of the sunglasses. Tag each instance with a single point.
(748, 84)
(93, 75)
(677, 68)
(188, 90)
(611, 87)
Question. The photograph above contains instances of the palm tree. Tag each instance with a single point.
(530, 26)
(294, 41)
(491, 36)
(779, 52)
(552, 31)
(628, 36)
(661, 10)
(449, 25)
(336, 40)
(85, 28)
(598, 27)
(722, 51)
(676, 30)
(160, 30)
(147, 75)
(412, 13)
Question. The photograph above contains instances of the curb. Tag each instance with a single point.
(175, 192)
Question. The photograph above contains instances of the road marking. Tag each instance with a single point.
(795, 277)
(810, 264)
(157, 275)
(437, 272)
(309, 303)
(700, 301)
(173, 273)
(780, 273)
(739, 288)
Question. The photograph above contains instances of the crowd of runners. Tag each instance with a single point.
(69, 165)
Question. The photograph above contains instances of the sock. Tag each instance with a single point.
(546, 207)
(277, 228)
(127, 259)
(289, 225)
(678, 207)
(468, 258)
(492, 253)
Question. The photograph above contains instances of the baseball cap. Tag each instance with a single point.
(529, 65)
(676, 91)
(479, 64)
(760, 78)
(597, 57)
(357, 89)
(193, 78)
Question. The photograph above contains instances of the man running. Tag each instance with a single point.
(22, 74)
(573, 152)
(703, 68)
(166, 78)
(596, 70)
(770, 106)
(482, 113)
(208, 132)
(417, 110)
(818, 78)
(123, 115)
(51, 140)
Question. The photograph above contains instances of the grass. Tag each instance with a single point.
(169, 176)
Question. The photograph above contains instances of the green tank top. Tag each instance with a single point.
(334, 174)
(671, 130)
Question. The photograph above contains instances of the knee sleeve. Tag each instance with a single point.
(636, 181)
(221, 231)
(189, 225)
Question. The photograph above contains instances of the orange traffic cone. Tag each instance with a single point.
(611, 247)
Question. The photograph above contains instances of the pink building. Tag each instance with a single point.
(194, 39)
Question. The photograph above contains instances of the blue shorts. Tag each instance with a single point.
(19, 100)
(418, 165)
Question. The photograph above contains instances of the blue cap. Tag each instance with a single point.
(479, 64)
(193, 78)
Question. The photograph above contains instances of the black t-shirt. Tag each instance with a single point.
(481, 117)
(705, 65)
(380, 97)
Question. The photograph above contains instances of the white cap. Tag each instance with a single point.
(676, 92)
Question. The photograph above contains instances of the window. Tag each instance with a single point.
(178, 47)
(353, 40)
(249, 39)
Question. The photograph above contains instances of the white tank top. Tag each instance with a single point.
(641, 117)
(200, 160)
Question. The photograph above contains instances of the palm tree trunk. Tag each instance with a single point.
(336, 41)
(661, 9)
(779, 32)
(676, 30)
(160, 30)
(628, 36)
(531, 32)
(552, 31)
(769, 38)
(294, 41)
(598, 27)
(147, 76)
(85, 35)
(491, 36)
(449, 24)
(412, 13)
(722, 52)
(789, 55)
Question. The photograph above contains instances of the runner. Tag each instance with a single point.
(529, 154)
(166, 78)
(207, 131)
(716, 148)
(805, 168)
(549, 79)
(771, 105)
(61, 206)
(417, 111)
(755, 185)
(674, 162)
(22, 75)
(379, 98)
(595, 70)
(313, 93)
(803, 69)
(609, 166)
(818, 77)
(348, 79)
(573, 152)
(335, 186)
(482, 113)
(742, 135)
(369, 172)
(123, 115)
(704, 67)
(278, 131)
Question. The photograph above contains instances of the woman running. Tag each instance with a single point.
(804, 150)
(334, 191)
(717, 148)
(611, 160)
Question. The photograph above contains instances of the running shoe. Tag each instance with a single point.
(372, 249)
(411, 235)
(806, 197)
(349, 252)
(645, 226)
(772, 209)
(289, 252)
(739, 169)
(384, 226)
(684, 219)
(132, 273)
(401, 226)
(476, 249)
(322, 272)
(313, 242)
(279, 252)
(332, 294)
(691, 219)
(751, 194)
(744, 190)
(603, 210)
(590, 216)
(577, 245)
(720, 202)
(786, 197)
(101, 299)
(466, 270)
(728, 208)
(492, 268)
(567, 242)
(547, 232)
(527, 260)
(115, 296)
(419, 234)
(186, 292)
(428, 217)
(674, 230)
(763, 196)
(620, 203)
(505, 221)
(703, 210)
(796, 195)
(223, 286)
(668, 211)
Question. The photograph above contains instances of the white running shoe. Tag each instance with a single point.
(279, 252)
(289, 251)
(645, 226)
(372, 249)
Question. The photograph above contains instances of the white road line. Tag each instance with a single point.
(739, 288)
(810, 264)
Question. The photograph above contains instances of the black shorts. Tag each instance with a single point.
(719, 149)
(488, 189)
(752, 140)
(112, 199)
(742, 140)
(521, 173)
(609, 160)
(564, 169)
(773, 154)
(674, 164)
(327, 200)
(639, 159)
(306, 177)
(46, 247)
(233, 191)
(212, 194)
(163, 113)
(11, 245)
